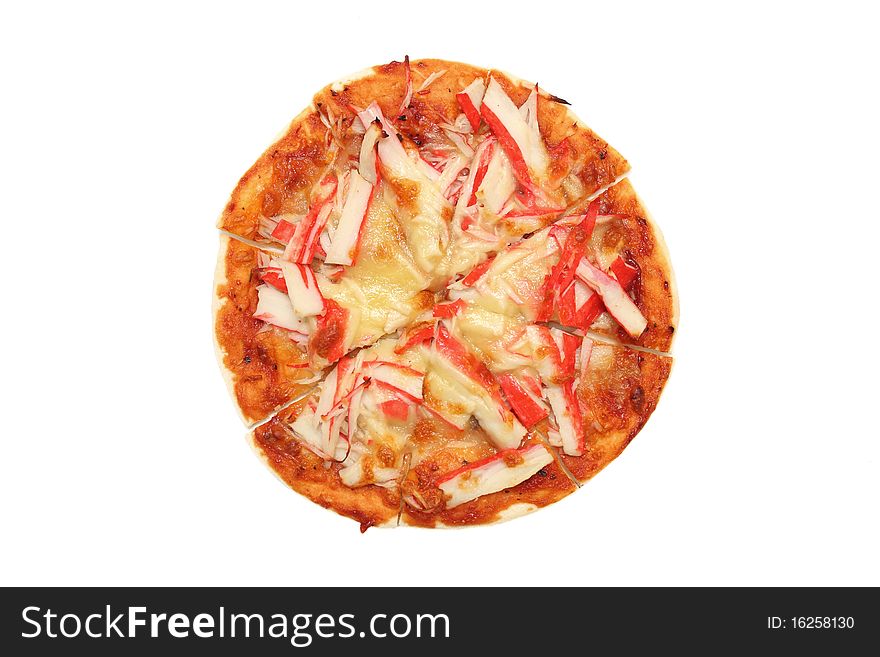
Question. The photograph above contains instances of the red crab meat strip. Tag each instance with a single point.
(367, 161)
(304, 241)
(448, 310)
(563, 271)
(490, 410)
(283, 231)
(346, 238)
(302, 288)
(273, 307)
(615, 298)
(527, 409)
(504, 470)
(414, 335)
(470, 100)
(273, 276)
(523, 146)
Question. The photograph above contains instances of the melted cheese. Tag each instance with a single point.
(424, 211)
(384, 284)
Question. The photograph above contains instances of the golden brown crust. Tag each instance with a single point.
(619, 400)
(634, 236)
(280, 180)
(307, 474)
(261, 365)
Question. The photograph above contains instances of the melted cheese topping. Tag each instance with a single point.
(384, 284)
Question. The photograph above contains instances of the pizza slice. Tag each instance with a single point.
(471, 460)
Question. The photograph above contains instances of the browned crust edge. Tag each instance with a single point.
(306, 473)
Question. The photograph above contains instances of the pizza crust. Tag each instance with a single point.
(308, 475)
(217, 302)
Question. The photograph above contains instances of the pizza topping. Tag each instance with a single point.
(419, 196)
(448, 310)
(477, 272)
(367, 161)
(477, 172)
(274, 307)
(497, 184)
(414, 335)
(563, 271)
(525, 404)
(344, 244)
(307, 428)
(584, 356)
(332, 337)
(302, 289)
(519, 137)
(304, 241)
(470, 375)
(451, 174)
(396, 409)
(400, 378)
(407, 96)
(470, 100)
(283, 230)
(446, 401)
(566, 413)
(615, 298)
(503, 470)
(430, 80)
(273, 276)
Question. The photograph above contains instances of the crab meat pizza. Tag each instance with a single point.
(439, 302)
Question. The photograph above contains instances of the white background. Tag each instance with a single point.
(752, 132)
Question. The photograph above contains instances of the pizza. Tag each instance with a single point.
(438, 300)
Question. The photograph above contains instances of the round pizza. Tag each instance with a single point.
(438, 300)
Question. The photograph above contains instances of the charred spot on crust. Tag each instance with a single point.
(247, 359)
(637, 397)
(603, 154)
(557, 99)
